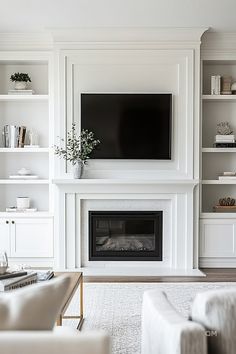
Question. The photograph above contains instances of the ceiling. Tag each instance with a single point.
(38, 15)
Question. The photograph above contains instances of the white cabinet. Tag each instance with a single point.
(5, 235)
(27, 237)
(218, 242)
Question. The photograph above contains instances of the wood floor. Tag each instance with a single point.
(212, 275)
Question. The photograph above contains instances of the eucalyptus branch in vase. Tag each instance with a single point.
(78, 149)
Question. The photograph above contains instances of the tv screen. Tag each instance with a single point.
(129, 126)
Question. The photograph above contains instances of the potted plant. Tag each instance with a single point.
(78, 149)
(20, 80)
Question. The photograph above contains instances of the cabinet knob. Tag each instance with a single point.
(7, 222)
(13, 222)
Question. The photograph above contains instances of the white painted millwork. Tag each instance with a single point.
(5, 235)
(25, 238)
(28, 238)
(130, 61)
(31, 238)
(217, 230)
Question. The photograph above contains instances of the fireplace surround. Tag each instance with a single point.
(125, 235)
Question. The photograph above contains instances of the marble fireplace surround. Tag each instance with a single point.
(175, 198)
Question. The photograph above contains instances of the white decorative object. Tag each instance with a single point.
(24, 172)
(23, 202)
(20, 85)
(33, 138)
(78, 169)
(223, 128)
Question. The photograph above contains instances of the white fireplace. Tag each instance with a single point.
(131, 61)
(174, 199)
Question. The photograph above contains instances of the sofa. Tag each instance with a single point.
(210, 328)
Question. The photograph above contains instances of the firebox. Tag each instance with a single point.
(125, 235)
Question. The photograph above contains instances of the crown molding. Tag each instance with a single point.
(127, 35)
(26, 41)
(218, 41)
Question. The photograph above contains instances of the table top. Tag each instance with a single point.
(76, 279)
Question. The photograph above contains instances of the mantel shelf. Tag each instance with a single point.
(85, 181)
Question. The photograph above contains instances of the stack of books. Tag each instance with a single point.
(228, 176)
(225, 140)
(15, 280)
(20, 92)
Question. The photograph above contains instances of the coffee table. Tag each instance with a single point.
(76, 281)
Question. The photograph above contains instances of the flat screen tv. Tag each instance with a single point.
(129, 126)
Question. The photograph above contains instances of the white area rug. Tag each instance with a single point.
(116, 308)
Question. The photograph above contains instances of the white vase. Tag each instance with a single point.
(78, 169)
(20, 85)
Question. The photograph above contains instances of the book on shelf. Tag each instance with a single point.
(222, 178)
(24, 177)
(19, 282)
(17, 210)
(215, 84)
(32, 146)
(21, 141)
(225, 138)
(224, 145)
(21, 92)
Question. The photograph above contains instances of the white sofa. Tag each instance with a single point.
(211, 330)
(62, 340)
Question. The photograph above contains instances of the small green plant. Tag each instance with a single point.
(20, 77)
(78, 147)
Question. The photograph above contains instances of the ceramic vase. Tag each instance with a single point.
(78, 169)
(20, 85)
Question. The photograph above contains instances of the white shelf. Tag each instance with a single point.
(24, 181)
(23, 97)
(36, 214)
(24, 150)
(218, 150)
(219, 97)
(217, 181)
(213, 215)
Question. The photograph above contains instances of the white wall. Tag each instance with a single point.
(35, 15)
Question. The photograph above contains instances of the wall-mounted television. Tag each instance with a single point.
(129, 126)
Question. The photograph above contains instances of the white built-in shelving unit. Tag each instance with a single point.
(35, 244)
(217, 230)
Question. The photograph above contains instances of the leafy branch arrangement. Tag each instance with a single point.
(20, 77)
(78, 147)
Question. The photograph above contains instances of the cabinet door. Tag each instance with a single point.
(5, 235)
(32, 237)
(218, 238)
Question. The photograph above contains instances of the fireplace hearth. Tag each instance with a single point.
(125, 235)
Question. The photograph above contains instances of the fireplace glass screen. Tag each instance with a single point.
(127, 235)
